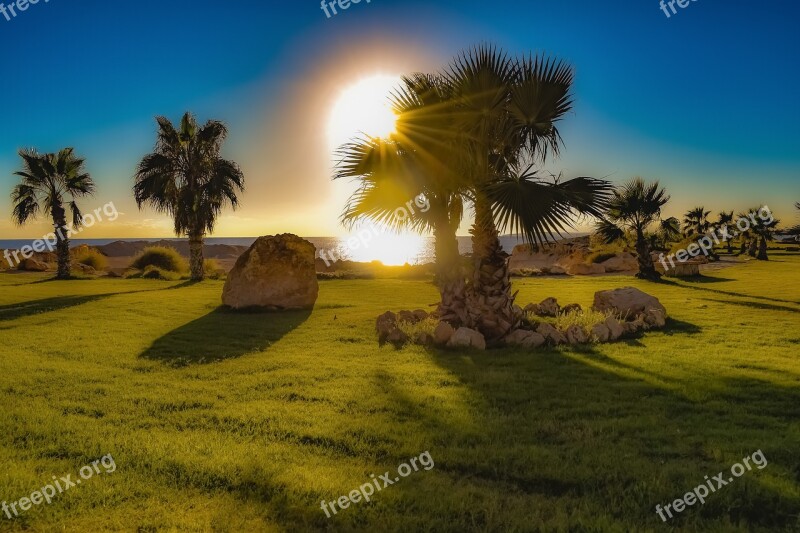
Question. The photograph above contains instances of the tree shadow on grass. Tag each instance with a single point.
(688, 285)
(223, 334)
(756, 305)
(624, 425)
(24, 309)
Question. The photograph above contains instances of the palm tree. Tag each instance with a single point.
(419, 159)
(695, 222)
(725, 220)
(186, 178)
(49, 183)
(506, 112)
(635, 206)
(669, 230)
(760, 232)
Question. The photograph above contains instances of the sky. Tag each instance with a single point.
(704, 101)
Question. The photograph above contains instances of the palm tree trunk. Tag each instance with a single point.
(196, 255)
(647, 269)
(450, 279)
(762, 250)
(491, 307)
(753, 247)
(62, 242)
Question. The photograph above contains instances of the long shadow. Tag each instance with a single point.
(756, 305)
(223, 334)
(36, 307)
(628, 440)
(726, 293)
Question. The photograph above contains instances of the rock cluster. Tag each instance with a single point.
(628, 311)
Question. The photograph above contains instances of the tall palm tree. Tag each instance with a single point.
(695, 222)
(50, 182)
(635, 206)
(506, 110)
(186, 178)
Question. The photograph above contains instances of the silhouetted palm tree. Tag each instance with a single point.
(725, 220)
(506, 111)
(635, 206)
(760, 232)
(437, 151)
(186, 178)
(49, 183)
(695, 222)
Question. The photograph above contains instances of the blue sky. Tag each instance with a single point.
(704, 101)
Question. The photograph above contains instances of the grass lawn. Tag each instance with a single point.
(245, 422)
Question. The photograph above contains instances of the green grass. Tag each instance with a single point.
(244, 422)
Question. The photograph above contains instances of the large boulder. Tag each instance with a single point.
(274, 273)
(443, 333)
(626, 302)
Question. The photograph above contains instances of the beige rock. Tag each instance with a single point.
(443, 333)
(550, 333)
(601, 333)
(32, 265)
(615, 329)
(524, 339)
(420, 314)
(556, 270)
(582, 269)
(548, 307)
(467, 338)
(626, 302)
(576, 335)
(274, 273)
(384, 325)
(655, 318)
(623, 262)
(571, 308)
(397, 337)
(407, 316)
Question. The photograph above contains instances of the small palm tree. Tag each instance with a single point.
(760, 232)
(725, 222)
(668, 231)
(186, 178)
(49, 183)
(695, 222)
(635, 206)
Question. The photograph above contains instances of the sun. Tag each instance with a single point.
(363, 109)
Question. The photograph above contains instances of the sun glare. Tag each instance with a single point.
(363, 109)
(391, 249)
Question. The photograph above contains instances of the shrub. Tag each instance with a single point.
(212, 269)
(585, 319)
(153, 272)
(424, 326)
(161, 257)
(92, 258)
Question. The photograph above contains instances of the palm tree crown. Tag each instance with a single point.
(49, 182)
(635, 206)
(186, 178)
